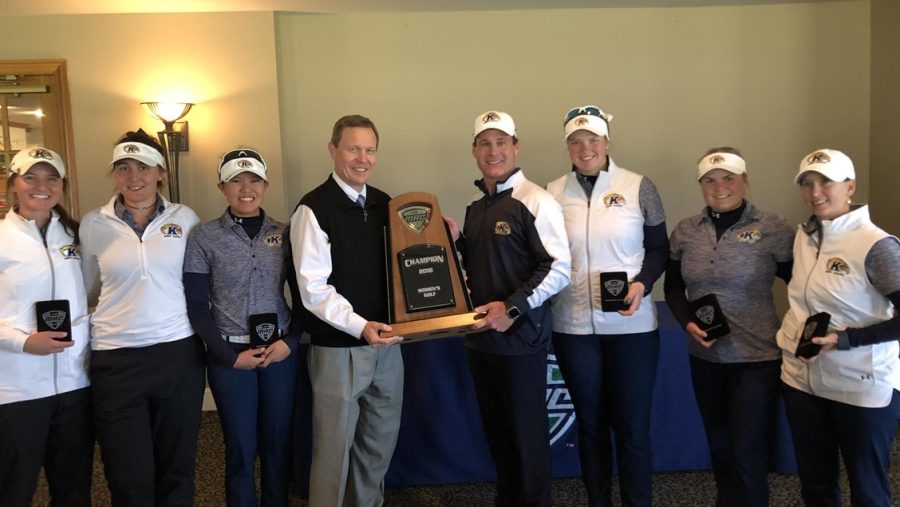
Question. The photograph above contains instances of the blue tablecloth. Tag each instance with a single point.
(441, 440)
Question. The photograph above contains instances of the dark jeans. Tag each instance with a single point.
(147, 404)
(256, 409)
(511, 392)
(610, 379)
(738, 403)
(863, 436)
(53, 432)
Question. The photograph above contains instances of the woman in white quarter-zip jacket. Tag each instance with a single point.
(45, 409)
(147, 367)
(845, 398)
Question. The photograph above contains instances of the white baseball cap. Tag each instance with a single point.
(25, 159)
(590, 118)
(721, 160)
(141, 152)
(494, 120)
(241, 160)
(832, 164)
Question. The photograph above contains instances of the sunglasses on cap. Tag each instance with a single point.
(588, 110)
(242, 153)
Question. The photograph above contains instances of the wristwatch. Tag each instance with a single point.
(512, 311)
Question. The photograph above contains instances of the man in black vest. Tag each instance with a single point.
(357, 377)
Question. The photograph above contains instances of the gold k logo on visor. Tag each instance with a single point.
(130, 148)
(40, 153)
(818, 157)
(716, 159)
(490, 117)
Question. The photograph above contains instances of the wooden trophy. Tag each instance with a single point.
(427, 290)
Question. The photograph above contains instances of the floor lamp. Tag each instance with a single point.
(173, 138)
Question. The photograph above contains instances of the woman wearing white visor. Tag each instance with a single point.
(731, 253)
(608, 348)
(147, 364)
(234, 276)
(842, 397)
(45, 411)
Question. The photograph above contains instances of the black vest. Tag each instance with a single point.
(358, 269)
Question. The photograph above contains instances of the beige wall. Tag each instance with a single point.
(885, 146)
(776, 81)
(223, 62)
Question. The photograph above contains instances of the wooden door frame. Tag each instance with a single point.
(57, 68)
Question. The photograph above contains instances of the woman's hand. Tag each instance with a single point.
(275, 353)
(247, 360)
(699, 335)
(45, 343)
(633, 298)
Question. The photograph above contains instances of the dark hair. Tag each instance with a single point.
(69, 224)
(350, 121)
(139, 136)
(721, 149)
(142, 137)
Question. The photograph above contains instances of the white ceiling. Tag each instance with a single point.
(46, 7)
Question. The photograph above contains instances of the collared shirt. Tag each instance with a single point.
(246, 275)
(126, 216)
(739, 269)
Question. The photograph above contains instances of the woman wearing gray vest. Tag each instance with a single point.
(234, 275)
(731, 251)
(608, 350)
(842, 397)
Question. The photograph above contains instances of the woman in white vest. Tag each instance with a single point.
(45, 411)
(615, 224)
(845, 397)
(733, 251)
(147, 365)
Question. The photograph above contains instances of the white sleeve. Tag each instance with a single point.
(551, 229)
(12, 339)
(90, 266)
(311, 250)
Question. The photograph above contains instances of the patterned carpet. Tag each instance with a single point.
(688, 489)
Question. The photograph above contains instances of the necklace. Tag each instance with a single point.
(138, 208)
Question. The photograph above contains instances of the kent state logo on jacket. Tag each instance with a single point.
(751, 236)
(611, 200)
(560, 410)
(502, 228)
(837, 266)
(69, 252)
(171, 231)
(273, 240)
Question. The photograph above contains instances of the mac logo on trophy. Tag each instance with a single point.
(427, 290)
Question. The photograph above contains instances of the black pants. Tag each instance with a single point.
(53, 432)
(147, 404)
(511, 393)
(826, 430)
(738, 403)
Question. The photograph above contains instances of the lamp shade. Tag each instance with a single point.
(168, 112)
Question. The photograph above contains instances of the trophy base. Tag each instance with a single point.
(437, 327)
